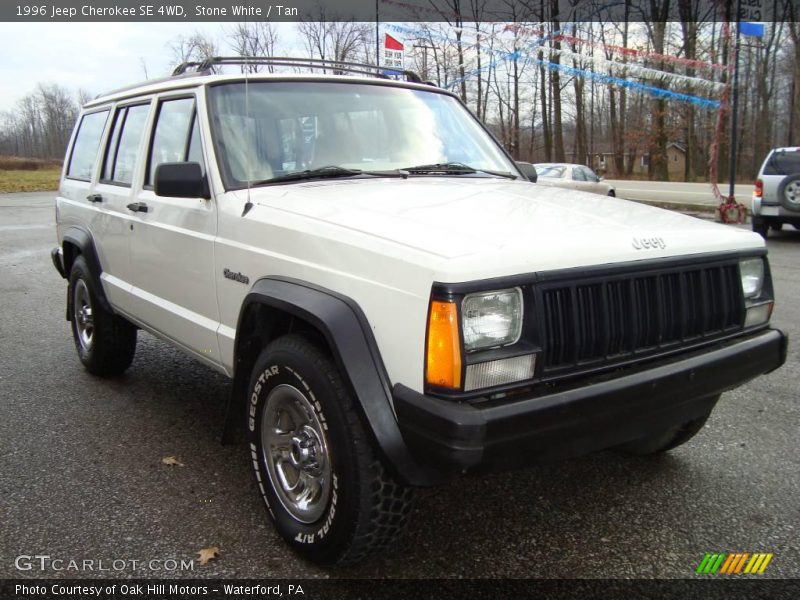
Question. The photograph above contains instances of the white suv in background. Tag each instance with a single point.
(395, 302)
(776, 196)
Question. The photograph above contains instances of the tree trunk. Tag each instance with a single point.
(658, 166)
(555, 79)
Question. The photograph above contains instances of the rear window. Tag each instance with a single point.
(87, 143)
(783, 163)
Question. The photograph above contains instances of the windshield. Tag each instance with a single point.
(279, 128)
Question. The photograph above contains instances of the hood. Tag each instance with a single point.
(489, 227)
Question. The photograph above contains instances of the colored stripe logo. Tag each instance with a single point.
(734, 563)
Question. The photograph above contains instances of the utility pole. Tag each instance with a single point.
(377, 33)
(789, 140)
(735, 103)
(425, 49)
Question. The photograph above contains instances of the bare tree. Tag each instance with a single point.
(253, 39)
(193, 48)
(335, 40)
(657, 30)
(41, 123)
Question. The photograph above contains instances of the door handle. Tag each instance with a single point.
(94, 198)
(138, 207)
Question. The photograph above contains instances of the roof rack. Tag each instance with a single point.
(205, 67)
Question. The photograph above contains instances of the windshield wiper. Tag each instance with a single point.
(455, 168)
(329, 172)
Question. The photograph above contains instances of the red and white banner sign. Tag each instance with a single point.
(392, 53)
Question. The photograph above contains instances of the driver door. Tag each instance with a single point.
(172, 244)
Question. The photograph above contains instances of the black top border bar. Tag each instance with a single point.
(455, 12)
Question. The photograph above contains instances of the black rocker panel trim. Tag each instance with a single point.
(348, 334)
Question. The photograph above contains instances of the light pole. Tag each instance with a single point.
(377, 34)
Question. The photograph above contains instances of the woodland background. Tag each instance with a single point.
(511, 75)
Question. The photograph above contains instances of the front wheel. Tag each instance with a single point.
(665, 440)
(325, 487)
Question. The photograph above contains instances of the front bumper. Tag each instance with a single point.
(58, 261)
(599, 413)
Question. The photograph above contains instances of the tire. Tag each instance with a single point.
(761, 227)
(106, 343)
(665, 440)
(789, 192)
(304, 430)
(612, 193)
(776, 226)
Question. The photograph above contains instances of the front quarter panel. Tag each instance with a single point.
(269, 243)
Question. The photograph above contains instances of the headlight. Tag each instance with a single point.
(752, 273)
(491, 319)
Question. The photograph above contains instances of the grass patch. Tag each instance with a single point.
(42, 180)
(21, 163)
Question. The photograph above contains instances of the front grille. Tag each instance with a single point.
(583, 323)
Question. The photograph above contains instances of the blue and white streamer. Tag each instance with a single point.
(536, 45)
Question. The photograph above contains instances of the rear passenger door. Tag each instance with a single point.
(113, 192)
(172, 244)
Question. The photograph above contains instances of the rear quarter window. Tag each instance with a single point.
(86, 146)
(783, 163)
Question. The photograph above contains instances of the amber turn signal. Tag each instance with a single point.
(443, 366)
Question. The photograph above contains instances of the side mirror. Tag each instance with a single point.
(528, 170)
(181, 180)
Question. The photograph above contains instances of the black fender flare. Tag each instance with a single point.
(82, 239)
(348, 334)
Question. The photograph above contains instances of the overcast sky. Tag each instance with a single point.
(94, 56)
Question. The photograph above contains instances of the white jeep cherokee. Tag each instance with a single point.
(395, 302)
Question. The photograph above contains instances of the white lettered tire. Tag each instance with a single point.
(322, 481)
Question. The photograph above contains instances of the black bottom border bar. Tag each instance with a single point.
(712, 587)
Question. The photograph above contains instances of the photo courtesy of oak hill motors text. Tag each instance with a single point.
(417, 289)
(135, 590)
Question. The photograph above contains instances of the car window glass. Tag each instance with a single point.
(783, 163)
(550, 172)
(132, 129)
(111, 147)
(589, 174)
(171, 137)
(577, 174)
(195, 147)
(86, 146)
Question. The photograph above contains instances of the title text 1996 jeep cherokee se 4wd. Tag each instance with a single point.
(395, 302)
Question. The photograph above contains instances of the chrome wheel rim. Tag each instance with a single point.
(296, 453)
(792, 192)
(83, 317)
